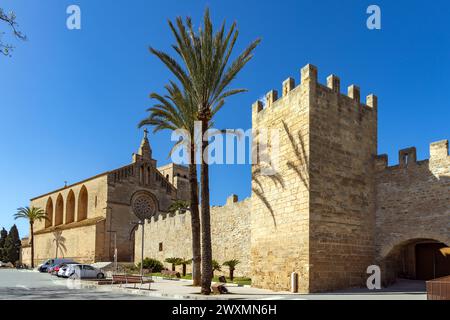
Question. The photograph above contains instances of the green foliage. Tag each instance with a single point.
(153, 264)
(216, 266)
(185, 261)
(3, 235)
(231, 264)
(174, 262)
(31, 214)
(12, 245)
(207, 71)
(179, 205)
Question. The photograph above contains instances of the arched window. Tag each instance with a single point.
(59, 210)
(70, 207)
(149, 175)
(141, 175)
(49, 212)
(82, 204)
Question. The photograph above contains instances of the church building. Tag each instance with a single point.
(89, 218)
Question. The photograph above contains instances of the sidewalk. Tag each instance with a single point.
(183, 289)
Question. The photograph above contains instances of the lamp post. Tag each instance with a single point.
(115, 248)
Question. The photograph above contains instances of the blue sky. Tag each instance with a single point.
(70, 100)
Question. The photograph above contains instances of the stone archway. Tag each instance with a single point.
(417, 258)
(59, 210)
(49, 213)
(82, 204)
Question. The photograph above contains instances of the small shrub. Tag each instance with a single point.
(153, 264)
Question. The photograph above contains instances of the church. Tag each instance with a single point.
(88, 219)
(334, 207)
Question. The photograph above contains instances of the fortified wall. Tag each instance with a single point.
(413, 207)
(170, 235)
(316, 215)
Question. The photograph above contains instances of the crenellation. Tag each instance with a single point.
(309, 73)
(257, 106)
(381, 162)
(439, 150)
(333, 208)
(407, 157)
(288, 85)
(334, 83)
(372, 101)
(354, 93)
(271, 97)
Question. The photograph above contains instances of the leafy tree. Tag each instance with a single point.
(215, 267)
(3, 235)
(32, 214)
(231, 264)
(12, 245)
(205, 74)
(174, 262)
(10, 20)
(176, 110)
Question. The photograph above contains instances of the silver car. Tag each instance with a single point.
(83, 271)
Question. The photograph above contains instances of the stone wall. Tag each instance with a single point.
(230, 225)
(343, 144)
(413, 204)
(78, 244)
(315, 215)
(280, 201)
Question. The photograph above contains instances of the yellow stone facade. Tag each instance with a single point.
(332, 208)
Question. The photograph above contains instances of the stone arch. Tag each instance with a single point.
(59, 210)
(70, 207)
(82, 204)
(414, 258)
(49, 213)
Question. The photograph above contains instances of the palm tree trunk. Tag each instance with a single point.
(231, 274)
(32, 244)
(205, 217)
(195, 219)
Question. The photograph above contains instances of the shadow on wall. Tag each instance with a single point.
(60, 244)
(301, 168)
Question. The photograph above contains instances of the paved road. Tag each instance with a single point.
(21, 284)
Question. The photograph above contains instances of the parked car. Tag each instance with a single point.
(83, 271)
(53, 270)
(50, 262)
(63, 268)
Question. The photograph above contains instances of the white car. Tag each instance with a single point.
(62, 270)
(83, 271)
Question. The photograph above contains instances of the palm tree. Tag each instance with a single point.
(215, 267)
(184, 263)
(174, 262)
(206, 77)
(31, 214)
(177, 111)
(231, 264)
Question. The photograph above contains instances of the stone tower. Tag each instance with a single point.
(315, 215)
